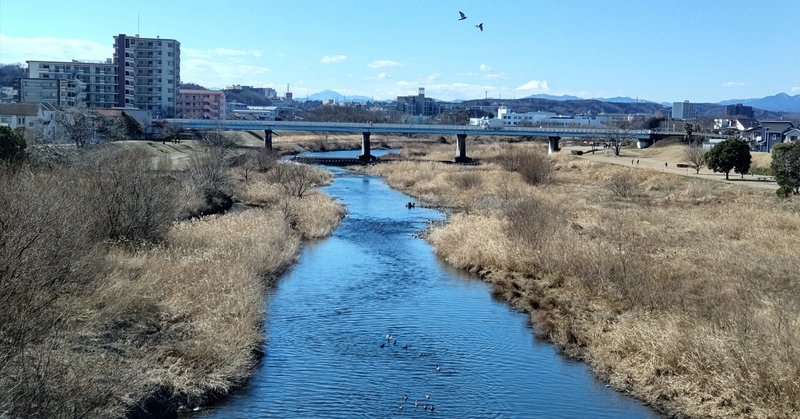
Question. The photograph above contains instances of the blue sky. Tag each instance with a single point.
(701, 50)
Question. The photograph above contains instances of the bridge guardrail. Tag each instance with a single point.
(403, 128)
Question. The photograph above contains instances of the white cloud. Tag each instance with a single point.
(333, 59)
(795, 89)
(217, 74)
(218, 52)
(433, 77)
(494, 76)
(19, 50)
(485, 68)
(383, 64)
(735, 84)
(383, 76)
(534, 85)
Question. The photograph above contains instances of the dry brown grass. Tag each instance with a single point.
(684, 293)
(105, 329)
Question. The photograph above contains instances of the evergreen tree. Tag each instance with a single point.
(729, 155)
(12, 144)
(786, 165)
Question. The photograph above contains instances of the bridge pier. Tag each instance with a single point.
(268, 139)
(366, 156)
(644, 142)
(552, 145)
(461, 149)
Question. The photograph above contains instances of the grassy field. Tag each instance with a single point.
(116, 303)
(678, 290)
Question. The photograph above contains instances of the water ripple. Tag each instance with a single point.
(327, 355)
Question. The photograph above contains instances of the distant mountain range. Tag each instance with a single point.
(781, 102)
(338, 97)
(618, 99)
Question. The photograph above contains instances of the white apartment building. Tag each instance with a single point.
(148, 73)
(90, 84)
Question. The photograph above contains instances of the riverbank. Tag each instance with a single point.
(166, 316)
(681, 292)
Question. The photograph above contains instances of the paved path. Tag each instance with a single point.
(651, 160)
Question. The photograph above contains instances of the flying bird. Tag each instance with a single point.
(463, 16)
(480, 26)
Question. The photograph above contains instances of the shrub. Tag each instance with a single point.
(535, 167)
(296, 179)
(623, 184)
(47, 252)
(761, 171)
(128, 200)
(531, 220)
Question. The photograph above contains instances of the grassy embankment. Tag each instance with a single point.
(112, 306)
(682, 292)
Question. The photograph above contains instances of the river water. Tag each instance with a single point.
(327, 353)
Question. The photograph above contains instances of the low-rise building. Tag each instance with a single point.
(201, 104)
(738, 124)
(767, 134)
(30, 116)
(791, 135)
(506, 117)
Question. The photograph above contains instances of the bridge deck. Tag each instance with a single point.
(238, 125)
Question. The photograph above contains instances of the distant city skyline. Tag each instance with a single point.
(666, 51)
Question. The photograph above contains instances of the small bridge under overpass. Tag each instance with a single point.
(644, 137)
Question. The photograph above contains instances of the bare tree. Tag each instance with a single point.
(619, 136)
(695, 155)
(216, 138)
(295, 179)
(76, 126)
(167, 132)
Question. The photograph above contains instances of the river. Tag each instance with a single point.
(454, 352)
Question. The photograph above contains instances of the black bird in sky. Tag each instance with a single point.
(463, 16)
(480, 26)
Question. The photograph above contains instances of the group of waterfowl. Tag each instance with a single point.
(426, 404)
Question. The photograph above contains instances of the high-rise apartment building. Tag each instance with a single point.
(739, 110)
(684, 110)
(148, 73)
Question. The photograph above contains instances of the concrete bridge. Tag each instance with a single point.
(644, 137)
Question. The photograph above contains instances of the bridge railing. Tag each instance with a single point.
(404, 128)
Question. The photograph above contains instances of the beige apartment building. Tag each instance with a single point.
(201, 104)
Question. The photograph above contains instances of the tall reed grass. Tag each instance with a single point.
(111, 307)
